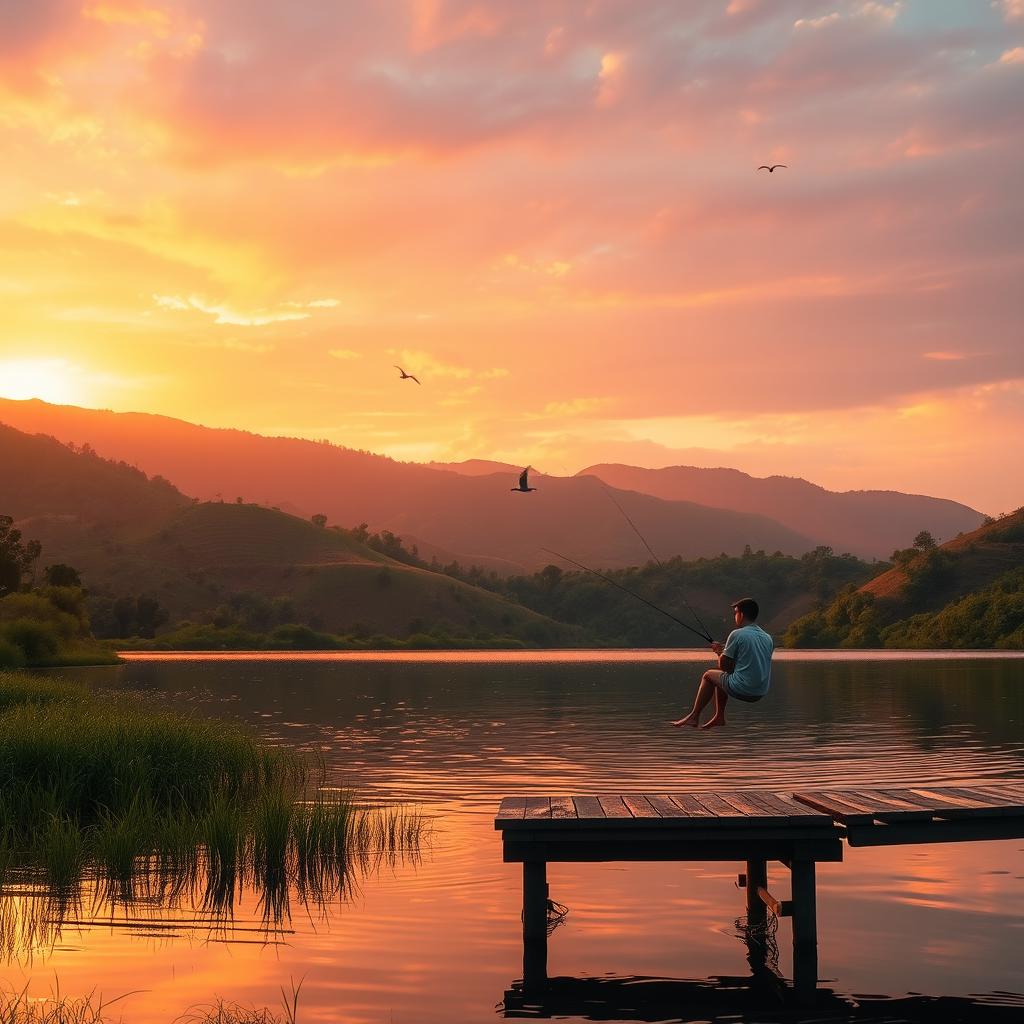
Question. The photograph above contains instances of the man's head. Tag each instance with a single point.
(746, 610)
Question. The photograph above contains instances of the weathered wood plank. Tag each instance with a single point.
(994, 805)
(890, 808)
(780, 908)
(852, 800)
(512, 808)
(614, 807)
(832, 803)
(639, 806)
(563, 807)
(719, 807)
(745, 805)
(538, 807)
(910, 797)
(693, 807)
(755, 810)
(588, 807)
(1002, 791)
(783, 803)
(949, 806)
(666, 806)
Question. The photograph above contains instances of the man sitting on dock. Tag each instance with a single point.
(744, 668)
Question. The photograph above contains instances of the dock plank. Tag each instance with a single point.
(833, 803)
(779, 803)
(693, 807)
(563, 807)
(717, 806)
(1003, 791)
(538, 807)
(588, 807)
(948, 805)
(666, 806)
(909, 796)
(614, 806)
(639, 806)
(890, 808)
(512, 808)
(998, 806)
(746, 805)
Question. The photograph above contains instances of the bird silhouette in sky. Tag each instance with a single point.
(524, 485)
(770, 168)
(405, 376)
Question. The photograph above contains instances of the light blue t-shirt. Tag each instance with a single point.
(751, 648)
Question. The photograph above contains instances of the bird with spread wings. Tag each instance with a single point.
(524, 484)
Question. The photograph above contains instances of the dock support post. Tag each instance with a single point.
(535, 924)
(805, 930)
(757, 915)
(757, 876)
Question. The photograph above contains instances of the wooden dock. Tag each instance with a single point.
(755, 827)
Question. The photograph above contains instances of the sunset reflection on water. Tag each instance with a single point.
(440, 940)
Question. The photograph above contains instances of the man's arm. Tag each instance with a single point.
(725, 663)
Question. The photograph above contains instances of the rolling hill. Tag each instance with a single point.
(130, 535)
(473, 516)
(968, 592)
(870, 524)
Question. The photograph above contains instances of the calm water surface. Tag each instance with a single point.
(439, 940)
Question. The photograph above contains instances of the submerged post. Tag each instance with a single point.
(757, 915)
(535, 924)
(805, 930)
(757, 877)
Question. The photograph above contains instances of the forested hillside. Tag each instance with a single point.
(967, 593)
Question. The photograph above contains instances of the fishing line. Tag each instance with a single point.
(625, 514)
(650, 604)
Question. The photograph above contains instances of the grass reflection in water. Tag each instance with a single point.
(106, 803)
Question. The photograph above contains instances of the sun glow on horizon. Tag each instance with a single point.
(52, 380)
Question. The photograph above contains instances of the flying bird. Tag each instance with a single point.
(524, 482)
(770, 168)
(405, 376)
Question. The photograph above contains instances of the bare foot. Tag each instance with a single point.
(714, 722)
(689, 720)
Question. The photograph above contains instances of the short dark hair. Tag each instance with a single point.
(748, 606)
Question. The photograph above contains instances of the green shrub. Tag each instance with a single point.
(37, 640)
(11, 655)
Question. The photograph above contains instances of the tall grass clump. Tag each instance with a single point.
(153, 803)
(17, 1007)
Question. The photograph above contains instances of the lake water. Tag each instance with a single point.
(440, 939)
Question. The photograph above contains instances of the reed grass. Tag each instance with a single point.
(152, 804)
(20, 1008)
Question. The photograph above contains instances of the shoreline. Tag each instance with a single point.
(610, 654)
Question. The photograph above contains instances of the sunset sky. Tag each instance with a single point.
(243, 212)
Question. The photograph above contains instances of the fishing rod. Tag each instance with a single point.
(625, 514)
(650, 604)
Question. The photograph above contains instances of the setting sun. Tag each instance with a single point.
(52, 380)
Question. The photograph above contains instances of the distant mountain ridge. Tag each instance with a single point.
(473, 516)
(129, 535)
(870, 524)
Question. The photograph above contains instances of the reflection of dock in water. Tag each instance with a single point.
(797, 829)
(735, 999)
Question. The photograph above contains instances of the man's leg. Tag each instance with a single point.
(704, 693)
(721, 699)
